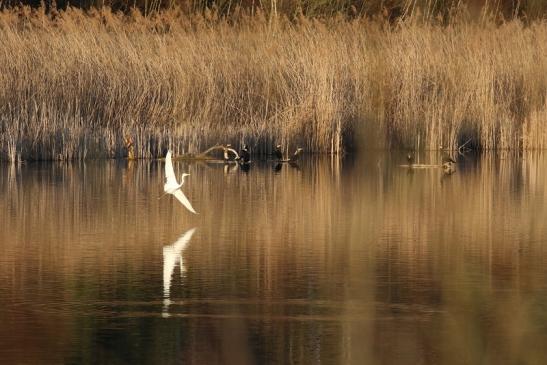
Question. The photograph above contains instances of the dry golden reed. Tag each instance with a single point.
(75, 85)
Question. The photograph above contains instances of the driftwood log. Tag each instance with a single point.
(421, 166)
(448, 168)
(206, 155)
(225, 150)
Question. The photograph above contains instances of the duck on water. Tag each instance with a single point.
(410, 159)
(278, 154)
(244, 155)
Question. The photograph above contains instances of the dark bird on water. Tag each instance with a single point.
(296, 155)
(410, 158)
(278, 154)
(244, 155)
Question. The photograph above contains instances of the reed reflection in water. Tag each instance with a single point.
(354, 261)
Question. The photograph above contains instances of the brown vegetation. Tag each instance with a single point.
(390, 9)
(75, 84)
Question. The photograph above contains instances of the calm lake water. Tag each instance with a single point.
(355, 261)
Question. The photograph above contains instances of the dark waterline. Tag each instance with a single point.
(336, 261)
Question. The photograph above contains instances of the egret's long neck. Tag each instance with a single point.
(182, 179)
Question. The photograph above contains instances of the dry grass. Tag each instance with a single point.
(427, 9)
(74, 85)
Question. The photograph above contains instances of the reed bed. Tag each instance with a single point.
(76, 84)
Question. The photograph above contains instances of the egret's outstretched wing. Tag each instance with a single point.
(182, 198)
(183, 240)
(169, 172)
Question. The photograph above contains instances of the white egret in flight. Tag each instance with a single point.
(171, 185)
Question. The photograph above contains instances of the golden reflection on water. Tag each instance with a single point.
(354, 261)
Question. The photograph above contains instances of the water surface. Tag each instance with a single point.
(355, 261)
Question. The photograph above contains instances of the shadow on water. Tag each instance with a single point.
(339, 261)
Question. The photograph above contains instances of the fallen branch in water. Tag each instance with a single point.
(225, 149)
(206, 155)
(460, 148)
(420, 166)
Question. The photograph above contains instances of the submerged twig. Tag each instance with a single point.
(460, 148)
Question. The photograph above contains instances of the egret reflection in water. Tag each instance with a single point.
(172, 255)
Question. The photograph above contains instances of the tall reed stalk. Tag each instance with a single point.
(74, 85)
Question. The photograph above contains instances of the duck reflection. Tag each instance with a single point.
(172, 255)
(294, 165)
(245, 167)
